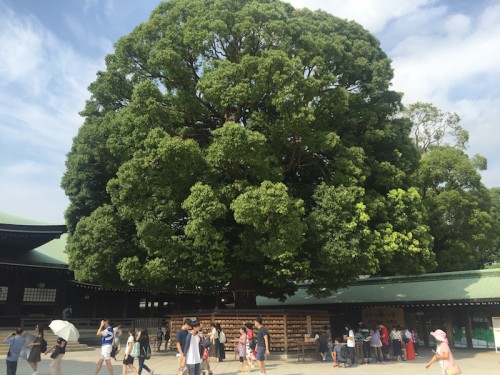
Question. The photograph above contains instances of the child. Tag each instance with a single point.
(205, 364)
(242, 346)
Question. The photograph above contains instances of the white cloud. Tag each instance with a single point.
(457, 67)
(372, 14)
(43, 86)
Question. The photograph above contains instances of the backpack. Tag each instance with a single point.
(147, 351)
(206, 342)
(222, 337)
(43, 345)
(136, 349)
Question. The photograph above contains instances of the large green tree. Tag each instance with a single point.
(459, 208)
(243, 144)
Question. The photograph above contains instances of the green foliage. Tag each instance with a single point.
(459, 207)
(432, 127)
(244, 143)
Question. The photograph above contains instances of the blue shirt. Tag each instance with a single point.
(107, 336)
(16, 345)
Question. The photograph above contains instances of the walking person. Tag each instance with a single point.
(58, 351)
(16, 343)
(242, 346)
(192, 349)
(128, 359)
(145, 351)
(117, 332)
(106, 332)
(443, 354)
(38, 346)
(181, 343)
(250, 346)
(262, 344)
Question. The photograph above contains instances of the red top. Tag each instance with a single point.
(384, 335)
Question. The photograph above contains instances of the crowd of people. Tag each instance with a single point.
(375, 344)
(197, 347)
(32, 350)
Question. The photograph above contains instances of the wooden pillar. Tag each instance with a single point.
(285, 330)
(449, 328)
(468, 329)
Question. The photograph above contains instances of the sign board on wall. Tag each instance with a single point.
(389, 316)
(496, 332)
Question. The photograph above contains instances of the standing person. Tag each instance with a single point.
(181, 342)
(262, 344)
(443, 354)
(384, 337)
(106, 332)
(323, 339)
(351, 343)
(222, 342)
(376, 344)
(242, 346)
(16, 342)
(414, 339)
(365, 343)
(37, 346)
(167, 337)
(192, 350)
(397, 343)
(59, 349)
(67, 313)
(214, 351)
(128, 360)
(410, 350)
(159, 339)
(145, 351)
(205, 344)
(117, 332)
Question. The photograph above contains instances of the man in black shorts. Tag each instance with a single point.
(262, 345)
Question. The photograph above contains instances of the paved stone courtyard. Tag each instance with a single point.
(83, 363)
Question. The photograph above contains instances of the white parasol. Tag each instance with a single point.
(64, 329)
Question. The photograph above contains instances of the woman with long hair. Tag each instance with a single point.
(128, 360)
(145, 351)
(36, 348)
(214, 350)
(443, 354)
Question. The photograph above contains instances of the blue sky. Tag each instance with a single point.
(443, 52)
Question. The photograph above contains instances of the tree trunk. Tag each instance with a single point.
(244, 293)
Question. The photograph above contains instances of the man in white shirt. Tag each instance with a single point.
(192, 350)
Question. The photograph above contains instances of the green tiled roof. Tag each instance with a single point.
(450, 286)
(6, 218)
(50, 254)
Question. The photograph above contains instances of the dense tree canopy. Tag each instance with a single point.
(461, 217)
(248, 144)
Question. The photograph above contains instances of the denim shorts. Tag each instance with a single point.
(261, 354)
